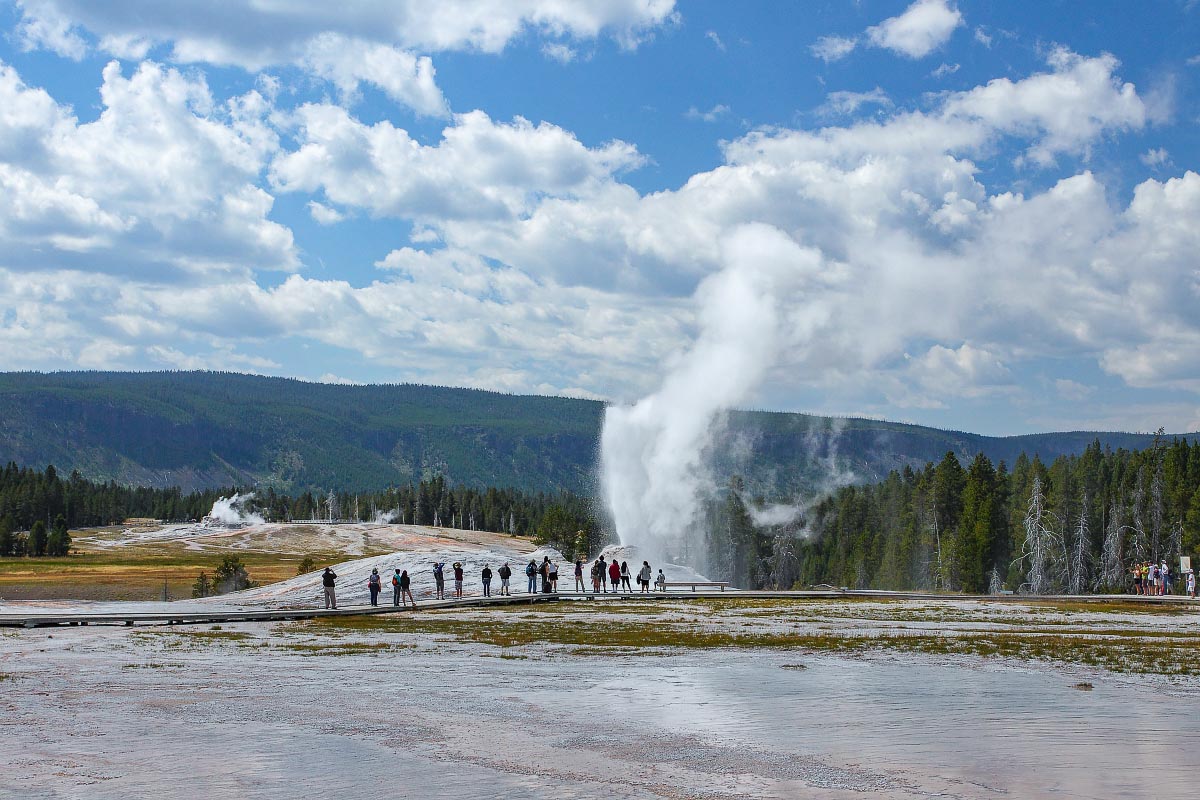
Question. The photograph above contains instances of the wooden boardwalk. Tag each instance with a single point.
(219, 614)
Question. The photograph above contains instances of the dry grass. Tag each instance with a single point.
(132, 573)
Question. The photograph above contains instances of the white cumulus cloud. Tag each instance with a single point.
(923, 27)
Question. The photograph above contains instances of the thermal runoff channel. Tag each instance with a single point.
(655, 453)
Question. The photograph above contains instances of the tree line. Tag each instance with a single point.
(38, 507)
(1076, 525)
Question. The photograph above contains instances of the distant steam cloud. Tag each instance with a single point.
(232, 511)
(386, 517)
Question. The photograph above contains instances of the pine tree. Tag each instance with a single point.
(231, 576)
(37, 539)
(59, 542)
(202, 587)
(979, 526)
(7, 540)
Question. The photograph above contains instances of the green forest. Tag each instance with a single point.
(37, 507)
(1074, 526)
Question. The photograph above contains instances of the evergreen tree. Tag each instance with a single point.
(59, 542)
(979, 528)
(231, 576)
(202, 587)
(7, 540)
(37, 539)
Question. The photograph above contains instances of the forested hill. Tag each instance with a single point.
(201, 429)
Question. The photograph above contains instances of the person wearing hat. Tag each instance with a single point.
(458, 578)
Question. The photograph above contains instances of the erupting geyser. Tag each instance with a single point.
(654, 453)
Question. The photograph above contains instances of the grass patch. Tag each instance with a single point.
(1129, 651)
(344, 648)
(156, 665)
(209, 635)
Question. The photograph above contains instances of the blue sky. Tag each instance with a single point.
(989, 208)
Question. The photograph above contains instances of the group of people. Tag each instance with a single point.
(606, 573)
(1158, 579)
(603, 574)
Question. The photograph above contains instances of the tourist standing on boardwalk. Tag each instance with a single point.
(604, 574)
(596, 572)
(374, 584)
(660, 583)
(396, 587)
(614, 575)
(553, 576)
(458, 578)
(327, 579)
(625, 577)
(544, 571)
(505, 573)
(487, 580)
(439, 579)
(405, 590)
(1191, 583)
(1164, 572)
(579, 587)
(644, 576)
(531, 574)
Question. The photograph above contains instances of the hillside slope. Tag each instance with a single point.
(203, 429)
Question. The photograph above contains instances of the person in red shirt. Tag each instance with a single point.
(614, 574)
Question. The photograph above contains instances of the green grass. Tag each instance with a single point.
(1117, 650)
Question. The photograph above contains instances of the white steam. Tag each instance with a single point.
(386, 517)
(653, 453)
(773, 514)
(232, 511)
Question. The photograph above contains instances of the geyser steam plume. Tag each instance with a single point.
(653, 453)
(232, 511)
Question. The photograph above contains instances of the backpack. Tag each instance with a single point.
(530, 570)
(395, 580)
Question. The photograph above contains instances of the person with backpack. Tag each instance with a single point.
(505, 573)
(597, 570)
(544, 572)
(328, 577)
(531, 573)
(396, 587)
(405, 590)
(579, 587)
(439, 579)
(487, 580)
(644, 576)
(458, 579)
(614, 575)
(374, 584)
